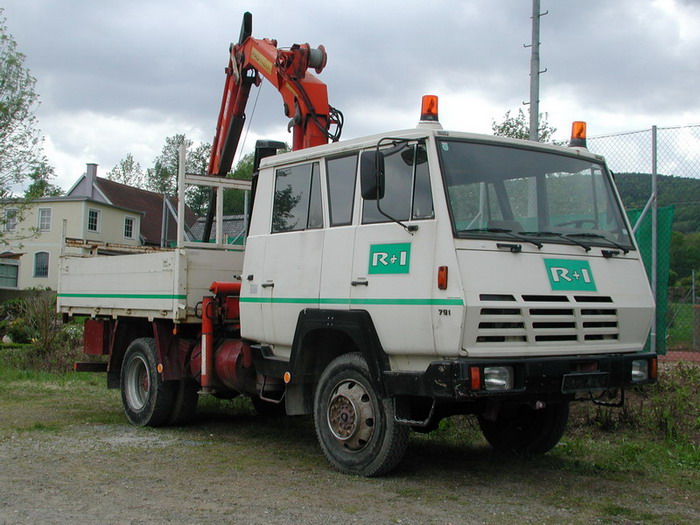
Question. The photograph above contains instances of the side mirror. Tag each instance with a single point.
(372, 175)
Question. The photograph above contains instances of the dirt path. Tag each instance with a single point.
(64, 461)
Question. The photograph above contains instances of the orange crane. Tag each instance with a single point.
(312, 120)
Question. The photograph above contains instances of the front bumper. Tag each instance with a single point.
(462, 379)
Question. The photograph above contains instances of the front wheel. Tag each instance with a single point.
(355, 427)
(147, 399)
(526, 431)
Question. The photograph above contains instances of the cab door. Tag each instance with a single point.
(339, 242)
(291, 272)
(393, 275)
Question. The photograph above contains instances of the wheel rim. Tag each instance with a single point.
(137, 383)
(351, 415)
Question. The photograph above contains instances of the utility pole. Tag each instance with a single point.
(535, 71)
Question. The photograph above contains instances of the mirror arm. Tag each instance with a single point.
(410, 228)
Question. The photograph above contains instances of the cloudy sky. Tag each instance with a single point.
(119, 76)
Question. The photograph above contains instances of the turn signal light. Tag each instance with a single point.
(475, 378)
(578, 135)
(429, 108)
(442, 278)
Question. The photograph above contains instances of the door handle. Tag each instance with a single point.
(268, 284)
(360, 282)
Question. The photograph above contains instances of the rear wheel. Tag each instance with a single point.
(147, 399)
(185, 404)
(527, 431)
(355, 427)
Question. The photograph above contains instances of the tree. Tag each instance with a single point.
(40, 186)
(685, 253)
(128, 171)
(519, 127)
(162, 177)
(197, 197)
(244, 168)
(20, 143)
(234, 200)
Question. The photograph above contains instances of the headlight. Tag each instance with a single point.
(498, 377)
(640, 370)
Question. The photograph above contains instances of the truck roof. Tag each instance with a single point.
(417, 133)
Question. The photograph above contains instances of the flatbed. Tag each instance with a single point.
(163, 285)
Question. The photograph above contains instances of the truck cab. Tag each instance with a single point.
(470, 273)
(478, 247)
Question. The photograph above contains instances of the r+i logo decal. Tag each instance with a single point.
(390, 258)
(566, 274)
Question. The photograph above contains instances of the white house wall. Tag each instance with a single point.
(75, 213)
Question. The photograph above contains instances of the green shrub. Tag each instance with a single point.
(54, 346)
(667, 410)
(39, 314)
(18, 331)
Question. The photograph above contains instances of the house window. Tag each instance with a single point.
(93, 220)
(129, 227)
(9, 271)
(44, 219)
(41, 264)
(10, 221)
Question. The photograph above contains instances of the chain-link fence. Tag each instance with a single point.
(671, 152)
(684, 316)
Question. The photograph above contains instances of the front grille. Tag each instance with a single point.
(546, 319)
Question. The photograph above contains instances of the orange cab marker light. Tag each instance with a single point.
(474, 378)
(653, 369)
(442, 278)
(429, 108)
(287, 377)
(578, 134)
(159, 368)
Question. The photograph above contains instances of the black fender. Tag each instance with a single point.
(317, 327)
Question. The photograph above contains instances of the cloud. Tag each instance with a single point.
(105, 139)
(118, 77)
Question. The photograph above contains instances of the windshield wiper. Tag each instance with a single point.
(561, 236)
(503, 230)
(599, 236)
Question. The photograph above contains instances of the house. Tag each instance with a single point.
(154, 231)
(96, 216)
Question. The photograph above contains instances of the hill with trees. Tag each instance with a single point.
(682, 192)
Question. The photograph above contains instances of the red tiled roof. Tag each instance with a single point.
(147, 202)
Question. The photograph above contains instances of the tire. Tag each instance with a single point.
(527, 431)
(185, 405)
(147, 399)
(355, 427)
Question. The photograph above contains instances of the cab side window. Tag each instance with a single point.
(297, 204)
(341, 173)
(407, 193)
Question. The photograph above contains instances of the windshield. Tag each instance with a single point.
(502, 192)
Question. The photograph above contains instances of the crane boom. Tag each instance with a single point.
(305, 97)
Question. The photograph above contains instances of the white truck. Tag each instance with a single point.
(387, 282)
